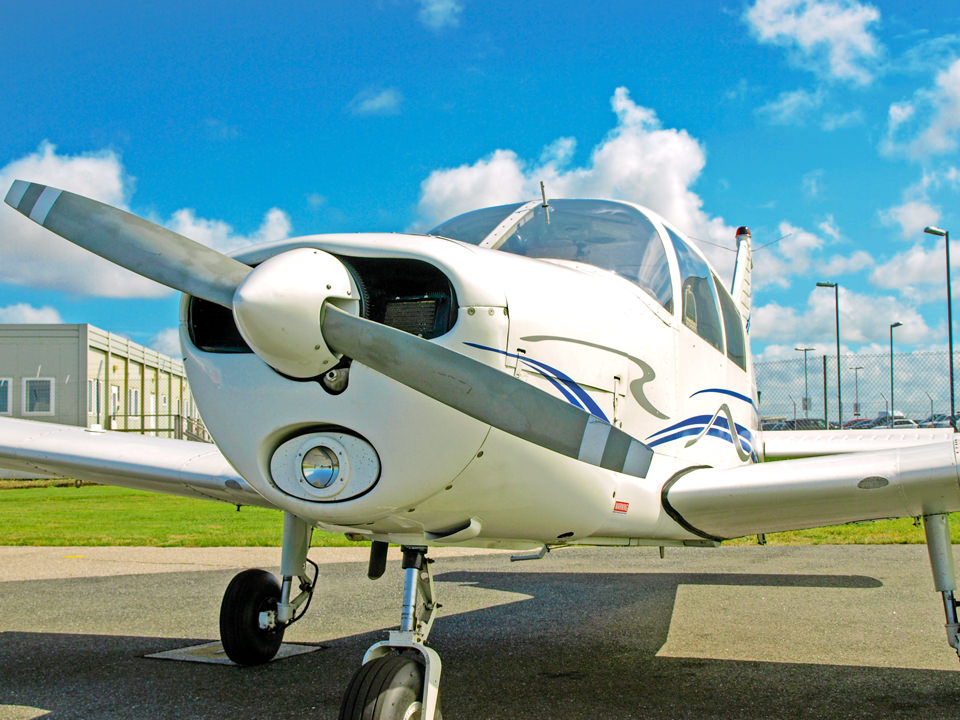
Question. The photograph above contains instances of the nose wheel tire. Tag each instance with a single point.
(249, 594)
(388, 688)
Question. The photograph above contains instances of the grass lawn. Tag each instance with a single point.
(102, 515)
(62, 514)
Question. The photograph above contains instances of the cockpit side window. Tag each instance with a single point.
(699, 310)
(732, 326)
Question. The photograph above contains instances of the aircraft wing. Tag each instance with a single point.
(786, 444)
(817, 491)
(143, 462)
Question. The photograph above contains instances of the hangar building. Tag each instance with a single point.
(82, 375)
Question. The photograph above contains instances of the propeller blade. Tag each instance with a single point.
(485, 393)
(131, 242)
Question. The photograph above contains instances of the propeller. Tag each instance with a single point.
(299, 312)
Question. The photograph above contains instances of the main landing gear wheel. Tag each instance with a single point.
(245, 640)
(388, 688)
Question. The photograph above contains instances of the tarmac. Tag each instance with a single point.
(733, 632)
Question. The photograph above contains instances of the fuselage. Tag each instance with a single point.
(629, 324)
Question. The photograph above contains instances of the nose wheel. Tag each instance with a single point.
(387, 688)
(400, 677)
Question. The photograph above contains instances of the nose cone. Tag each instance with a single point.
(278, 306)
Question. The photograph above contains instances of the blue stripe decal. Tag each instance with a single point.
(694, 426)
(571, 398)
(713, 432)
(573, 393)
(702, 420)
(585, 399)
(731, 393)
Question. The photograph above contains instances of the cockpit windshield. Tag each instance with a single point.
(608, 235)
(473, 227)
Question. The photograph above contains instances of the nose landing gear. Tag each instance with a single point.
(400, 677)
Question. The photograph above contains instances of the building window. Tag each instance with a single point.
(133, 401)
(38, 396)
(5, 396)
(114, 400)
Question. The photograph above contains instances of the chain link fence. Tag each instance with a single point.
(921, 386)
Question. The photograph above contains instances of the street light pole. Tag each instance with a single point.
(892, 326)
(806, 391)
(856, 390)
(930, 230)
(836, 300)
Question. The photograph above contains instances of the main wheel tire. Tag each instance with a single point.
(388, 688)
(249, 594)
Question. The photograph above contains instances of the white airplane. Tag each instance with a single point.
(527, 376)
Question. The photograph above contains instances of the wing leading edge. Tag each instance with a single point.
(791, 444)
(814, 492)
(176, 467)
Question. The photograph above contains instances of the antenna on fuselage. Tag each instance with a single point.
(546, 205)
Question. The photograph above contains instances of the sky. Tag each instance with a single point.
(829, 127)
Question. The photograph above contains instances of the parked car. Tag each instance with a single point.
(898, 422)
(800, 424)
(938, 420)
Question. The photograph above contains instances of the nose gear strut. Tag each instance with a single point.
(416, 619)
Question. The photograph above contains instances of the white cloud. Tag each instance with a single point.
(638, 161)
(439, 14)
(836, 121)
(221, 131)
(812, 182)
(920, 265)
(23, 313)
(929, 123)
(845, 264)
(220, 235)
(816, 322)
(940, 134)
(792, 255)
(912, 217)
(791, 107)
(376, 101)
(167, 341)
(832, 37)
(35, 257)
(829, 227)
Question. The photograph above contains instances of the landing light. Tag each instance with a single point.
(320, 467)
(325, 466)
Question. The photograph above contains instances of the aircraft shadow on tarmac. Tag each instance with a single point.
(582, 645)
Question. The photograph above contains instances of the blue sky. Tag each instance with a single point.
(834, 123)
